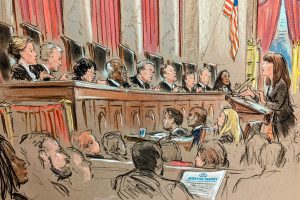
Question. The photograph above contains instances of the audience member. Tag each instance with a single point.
(13, 172)
(144, 76)
(170, 150)
(222, 82)
(203, 81)
(145, 181)
(253, 146)
(168, 74)
(22, 49)
(51, 59)
(229, 126)
(188, 82)
(117, 74)
(114, 146)
(84, 70)
(86, 142)
(211, 154)
(47, 164)
(196, 120)
(172, 122)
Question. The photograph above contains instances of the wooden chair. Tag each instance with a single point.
(99, 54)
(158, 61)
(33, 32)
(128, 57)
(74, 52)
(6, 33)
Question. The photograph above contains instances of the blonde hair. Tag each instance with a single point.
(232, 125)
(18, 44)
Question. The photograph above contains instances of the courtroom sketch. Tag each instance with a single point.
(149, 99)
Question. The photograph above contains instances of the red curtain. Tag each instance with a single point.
(150, 17)
(267, 20)
(106, 23)
(48, 118)
(45, 14)
(293, 19)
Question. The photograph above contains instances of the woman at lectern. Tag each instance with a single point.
(276, 95)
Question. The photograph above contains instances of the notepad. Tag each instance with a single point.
(203, 184)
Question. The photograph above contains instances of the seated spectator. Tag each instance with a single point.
(80, 167)
(229, 126)
(172, 122)
(114, 146)
(13, 172)
(170, 150)
(196, 120)
(222, 82)
(51, 59)
(22, 49)
(117, 74)
(84, 70)
(48, 164)
(253, 146)
(145, 181)
(144, 76)
(211, 154)
(86, 142)
(203, 81)
(188, 82)
(168, 73)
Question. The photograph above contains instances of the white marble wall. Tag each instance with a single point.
(77, 20)
(169, 28)
(131, 25)
(6, 12)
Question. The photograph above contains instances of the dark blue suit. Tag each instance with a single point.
(197, 135)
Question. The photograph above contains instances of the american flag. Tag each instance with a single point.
(231, 11)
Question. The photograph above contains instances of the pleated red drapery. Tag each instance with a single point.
(48, 118)
(106, 23)
(293, 19)
(267, 20)
(150, 21)
(45, 14)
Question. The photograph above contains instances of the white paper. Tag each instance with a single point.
(203, 184)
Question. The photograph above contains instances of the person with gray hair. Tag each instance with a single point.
(145, 73)
(203, 81)
(51, 59)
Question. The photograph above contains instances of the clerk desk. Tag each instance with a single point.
(100, 108)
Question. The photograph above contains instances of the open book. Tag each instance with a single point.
(203, 184)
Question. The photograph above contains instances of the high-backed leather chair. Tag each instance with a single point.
(158, 61)
(190, 67)
(74, 52)
(6, 33)
(213, 71)
(34, 33)
(128, 57)
(99, 54)
(178, 66)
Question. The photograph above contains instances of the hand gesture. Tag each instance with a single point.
(102, 82)
(248, 92)
(199, 89)
(44, 75)
(176, 89)
(64, 77)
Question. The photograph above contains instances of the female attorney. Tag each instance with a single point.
(277, 96)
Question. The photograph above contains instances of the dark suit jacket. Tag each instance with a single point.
(207, 88)
(19, 73)
(136, 83)
(165, 87)
(197, 135)
(279, 101)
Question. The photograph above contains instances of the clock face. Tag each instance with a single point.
(260, 2)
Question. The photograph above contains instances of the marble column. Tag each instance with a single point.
(7, 13)
(77, 20)
(169, 29)
(131, 26)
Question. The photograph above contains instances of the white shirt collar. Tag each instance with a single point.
(171, 86)
(140, 81)
(204, 86)
(115, 82)
(197, 127)
(175, 130)
(26, 66)
(47, 69)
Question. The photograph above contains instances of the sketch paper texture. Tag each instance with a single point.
(203, 184)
